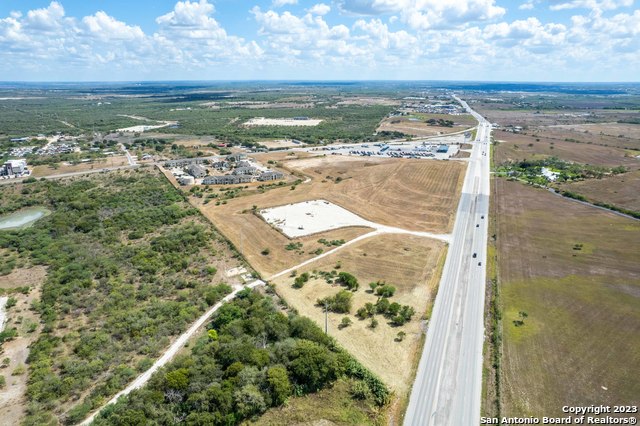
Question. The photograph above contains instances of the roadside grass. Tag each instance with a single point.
(334, 405)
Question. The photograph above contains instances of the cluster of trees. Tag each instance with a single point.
(254, 357)
(129, 266)
(439, 122)
(531, 170)
(301, 280)
(339, 303)
(347, 280)
(156, 144)
(398, 314)
(332, 243)
(382, 289)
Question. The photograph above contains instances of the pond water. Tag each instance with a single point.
(22, 218)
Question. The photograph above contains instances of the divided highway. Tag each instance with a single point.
(448, 384)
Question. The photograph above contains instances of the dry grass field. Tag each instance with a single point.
(619, 190)
(328, 407)
(280, 143)
(251, 236)
(580, 342)
(418, 195)
(115, 161)
(418, 127)
(409, 263)
(516, 147)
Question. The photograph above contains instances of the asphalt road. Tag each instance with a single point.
(448, 383)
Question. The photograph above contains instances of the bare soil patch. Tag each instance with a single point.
(23, 277)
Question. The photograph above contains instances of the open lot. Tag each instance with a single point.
(115, 161)
(262, 121)
(574, 271)
(411, 265)
(252, 236)
(517, 147)
(416, 124)
(310, 217)
(417, 195)
(281, 143)
(619, 190)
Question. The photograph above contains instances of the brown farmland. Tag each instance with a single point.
(517, 147)
(574, 270)
(619, 190)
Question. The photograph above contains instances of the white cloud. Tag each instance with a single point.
(188, 14)
(425, 14)
(48, 18)
(430, 39)
(320, 9)
(527, 6)
(281, 3)
(592, 4)
(105, 26)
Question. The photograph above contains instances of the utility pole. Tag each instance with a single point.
(326, 321)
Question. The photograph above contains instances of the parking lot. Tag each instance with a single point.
(426, 150)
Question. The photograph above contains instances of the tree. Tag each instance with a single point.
(400, 336)
(213, 335)
(346, 322)
(279, 384)
(340, 303)
(386, 290)
(374, 323)
(348, 280)
(177, 379)
(249, 401)
(265, 252)
(382, 306)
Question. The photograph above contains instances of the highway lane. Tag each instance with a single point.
(448, 383)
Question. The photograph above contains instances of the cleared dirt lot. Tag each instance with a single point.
(582, 332)
(115, 161)
(516, 147)
(407, 262)
(620, 190)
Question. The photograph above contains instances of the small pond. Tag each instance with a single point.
(22, 218)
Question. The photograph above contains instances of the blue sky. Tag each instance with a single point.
(515, 40)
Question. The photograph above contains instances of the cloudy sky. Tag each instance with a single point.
(514, 40)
